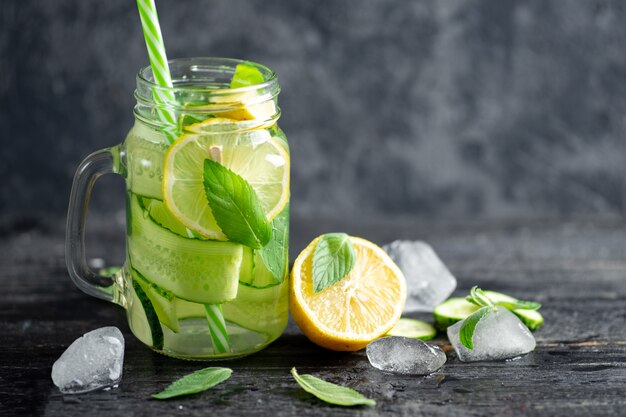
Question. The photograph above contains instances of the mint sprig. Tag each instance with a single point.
(333, 259)
(487, 305)
(195, 382)
(481, 299)
(235, 206)
(331, 393)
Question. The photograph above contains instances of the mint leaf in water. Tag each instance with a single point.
(274, 254)
(195, 382)
(235, 206)
(466, 334)
(245, 75)
(333, 259)
(331, 393)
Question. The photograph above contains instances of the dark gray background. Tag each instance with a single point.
(438, 108)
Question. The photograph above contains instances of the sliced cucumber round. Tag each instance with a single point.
(413, 328)
(457, 308)
(531, 318)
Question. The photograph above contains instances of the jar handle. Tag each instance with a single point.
(90, 169)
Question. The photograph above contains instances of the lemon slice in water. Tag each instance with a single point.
(254, 155)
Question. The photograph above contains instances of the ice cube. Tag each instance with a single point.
(429, 282)
(499, 335)
(405, 355)
(92, 361)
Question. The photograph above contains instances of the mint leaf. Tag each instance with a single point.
(478, 297)
(274, 254)
(333, 259)
(235, 206)
(468, 326)
(195, 382)
(519, 305)
(331, 393)
(245, 75)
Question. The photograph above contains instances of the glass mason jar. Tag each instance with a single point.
(207, 207)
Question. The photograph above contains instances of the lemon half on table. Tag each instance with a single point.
(363, 306)
(254, 155)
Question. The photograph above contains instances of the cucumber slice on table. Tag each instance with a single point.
(457, 308)
(413, 328)
(143, 314)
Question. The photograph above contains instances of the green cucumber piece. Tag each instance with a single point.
(158, 212)
(413, 328)
(202, 271)
(531, 318)
(452, 310)
(259, 309)
(456, 309)
(258, 276)
(150, 318)
(145, 156)
(163, 301)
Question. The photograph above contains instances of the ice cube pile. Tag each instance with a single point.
(405, 355)
(499, 335)
(92, 361)
(429, 282)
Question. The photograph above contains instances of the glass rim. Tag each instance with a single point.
(193, 63)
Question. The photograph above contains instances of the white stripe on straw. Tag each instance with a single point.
(164, 97)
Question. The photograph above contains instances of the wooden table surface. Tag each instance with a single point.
(577, 270)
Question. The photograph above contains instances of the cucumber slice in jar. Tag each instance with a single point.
(413, 328)
(163, 301)
(259, 309)
(144, 320)
(145, 153)
(201, 271)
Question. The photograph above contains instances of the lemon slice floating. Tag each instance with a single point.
(361, 307)
(256, 156)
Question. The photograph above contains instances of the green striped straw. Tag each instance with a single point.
(162, 77)
(158, 63)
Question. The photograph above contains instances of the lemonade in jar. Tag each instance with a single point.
(207, 178)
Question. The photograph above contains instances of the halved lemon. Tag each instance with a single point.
(255, 155)
(363, 306)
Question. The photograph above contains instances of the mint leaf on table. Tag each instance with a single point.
(478, 297)
(195, 382)
(331, 393)
(235, 206)
(519, 305)
(246, 75)
(333, 258)
(466, 333)
(274, 254)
